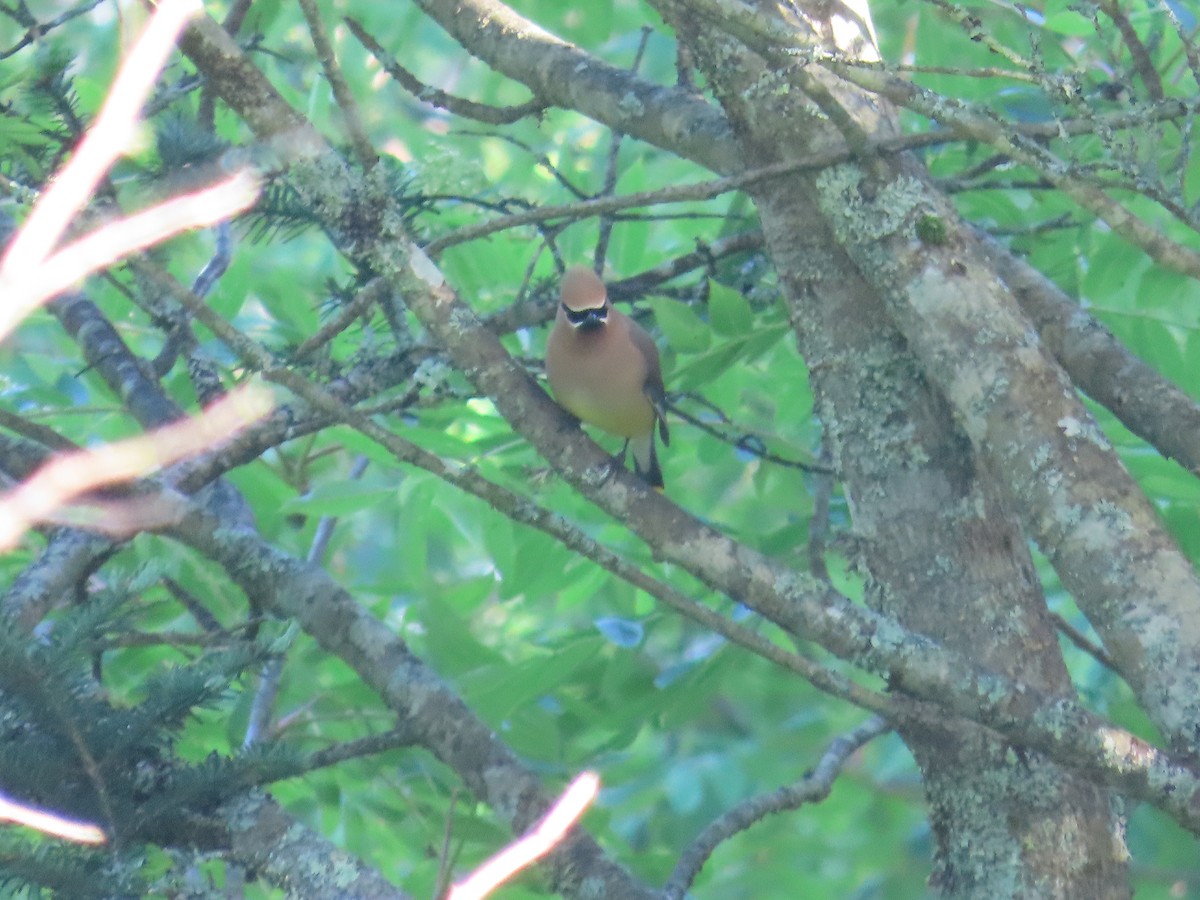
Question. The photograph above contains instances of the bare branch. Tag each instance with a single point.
(561, 74)
(1146, 403)
(35, 29)
(812, 788)
(704, 190)
(468, 109)
(129, 377)
(611, 171)
(972, 26)
(1080, 640)
(367, 157)
(1142, 63)
(259, 835)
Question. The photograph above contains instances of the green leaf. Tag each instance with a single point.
(706, 367)
(685, 331)
(497, 690)
(728, 310)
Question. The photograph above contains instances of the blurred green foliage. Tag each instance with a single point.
(570, 665)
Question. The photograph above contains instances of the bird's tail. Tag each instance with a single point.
(645, 460)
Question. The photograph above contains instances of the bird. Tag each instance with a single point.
(604, 369)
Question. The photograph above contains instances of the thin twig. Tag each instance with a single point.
(468, 109)
(973, 26)
(542, 160)
(704, 190)
(400, 736)
(818, 522)
(370, 293)
(179, 333)
(367, 157)
(813, 788)
(611, 170)
(746, 442)
(262, 708)
(192, 604)
(445, 857)
(1080, 640)
(1142, 63)
(47, 437)
(35, 29)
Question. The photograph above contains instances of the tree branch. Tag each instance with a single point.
(367, 157)
(812, 788)
(1019, 409)
(434, 714)
(1146, 403)
(264, 839)
(566, 76)
(467, 109)
(796, 602)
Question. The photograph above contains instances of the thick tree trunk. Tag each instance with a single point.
(943, 554)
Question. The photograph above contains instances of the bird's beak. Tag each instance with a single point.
(587, 319)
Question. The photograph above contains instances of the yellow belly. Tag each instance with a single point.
(604, 410)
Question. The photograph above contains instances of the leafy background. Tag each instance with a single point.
(571, 666)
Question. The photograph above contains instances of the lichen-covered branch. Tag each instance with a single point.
(1021, 412)
(796, 602)
(262, 838)
(567, 76)
(436, 716)
(1100, 365)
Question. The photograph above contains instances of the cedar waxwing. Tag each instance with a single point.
(603, 368)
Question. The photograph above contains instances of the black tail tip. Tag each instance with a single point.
(653, 476)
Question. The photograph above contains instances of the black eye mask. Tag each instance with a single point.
(586, 318)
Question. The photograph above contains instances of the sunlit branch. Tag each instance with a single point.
(69, 475)
(106, 139)
(536, 844)
(49, 823)
(24, 287)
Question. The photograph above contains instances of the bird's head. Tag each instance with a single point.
(584, 299)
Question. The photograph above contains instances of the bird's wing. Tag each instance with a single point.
(653, 388)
